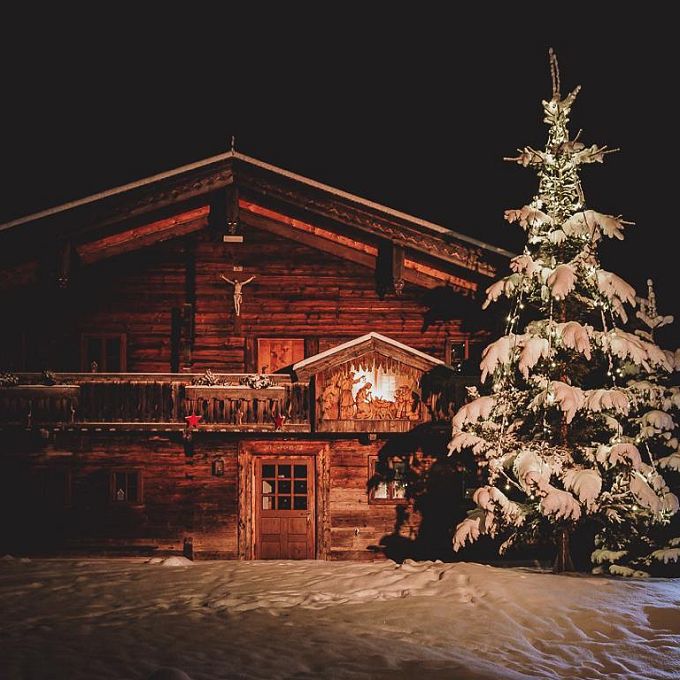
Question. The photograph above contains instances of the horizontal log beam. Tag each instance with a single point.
(115, 426)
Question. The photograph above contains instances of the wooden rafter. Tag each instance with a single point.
(342, 246)
(145, 235)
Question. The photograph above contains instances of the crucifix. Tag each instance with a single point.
(238, 288)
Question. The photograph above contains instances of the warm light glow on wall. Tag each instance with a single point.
(383, 385)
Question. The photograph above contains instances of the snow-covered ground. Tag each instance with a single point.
(124, 618)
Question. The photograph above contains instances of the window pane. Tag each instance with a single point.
(300, 503)
(112, 355)
(399, 468)
(380, 490)
(133, 487)
(399, 490)
(301, 472)
(268, 471)
(267, 487)
(284, 486)
(284, 472)
(284, 503)
(300, 486)
(267, 503)
(94, 352)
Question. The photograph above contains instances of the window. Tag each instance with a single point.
(276, 353)
(126, 486)
(284, 486)
(103, 353)
(387, 483)
(464, 355)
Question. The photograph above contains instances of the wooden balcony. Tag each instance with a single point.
(154, 401)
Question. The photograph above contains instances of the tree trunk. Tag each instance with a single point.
(563, 560)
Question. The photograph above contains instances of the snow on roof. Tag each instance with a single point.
(360, 340)
(431, 226)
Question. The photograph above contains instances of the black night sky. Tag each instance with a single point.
(410, 111)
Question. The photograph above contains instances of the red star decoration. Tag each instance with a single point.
(279, 420)
(193, 420)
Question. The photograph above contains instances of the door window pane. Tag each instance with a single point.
(267, 487)
(267, 503)
(284, 486)
(300, 472)
(284, 503)
(300, 486)
(284, 472)
(300, 503)
(268, 471)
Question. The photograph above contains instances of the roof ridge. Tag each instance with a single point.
(358, 341)
(113, 191)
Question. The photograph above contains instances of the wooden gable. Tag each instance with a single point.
(369, 384)
(228, 194)
(146, 262)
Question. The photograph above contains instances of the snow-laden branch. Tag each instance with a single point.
(607, 400)
(567, 397)
(527, 217)
(585, 483)
(473, 411)
(593, 225)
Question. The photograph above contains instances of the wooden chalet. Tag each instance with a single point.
(209, 361)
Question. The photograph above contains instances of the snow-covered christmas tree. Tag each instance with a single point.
(554, 432)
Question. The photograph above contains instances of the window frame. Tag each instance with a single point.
(103, 337)
(112, 487)
(449, 350)
(259, 347)
(390, 484)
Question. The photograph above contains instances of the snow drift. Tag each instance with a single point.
(92, 619)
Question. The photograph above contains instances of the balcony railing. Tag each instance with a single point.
(155, 399)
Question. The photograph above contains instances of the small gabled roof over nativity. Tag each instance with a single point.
(354, 349)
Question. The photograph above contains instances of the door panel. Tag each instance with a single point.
(284, 508)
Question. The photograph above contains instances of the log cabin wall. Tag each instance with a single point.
(183, 508)
(357, 526)
(299, 292)
(135, 294)
(132, 294)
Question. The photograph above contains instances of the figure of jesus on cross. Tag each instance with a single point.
(238, 294)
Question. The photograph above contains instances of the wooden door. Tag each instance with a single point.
(284, 508)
